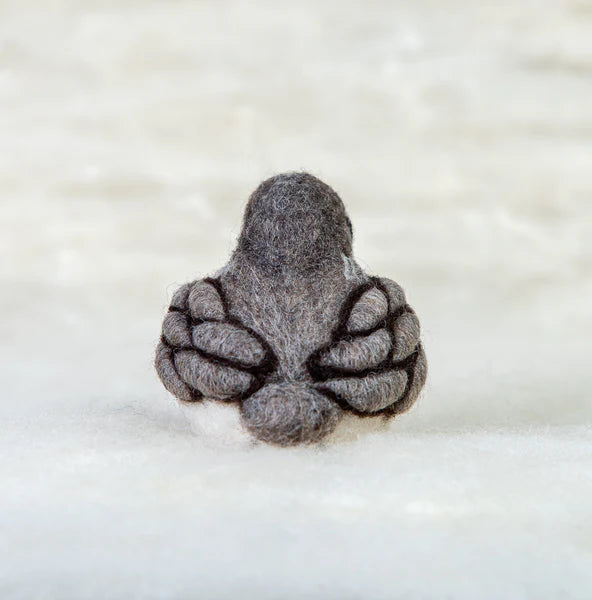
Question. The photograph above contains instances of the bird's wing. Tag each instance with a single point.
(205, 352)
(374, 363)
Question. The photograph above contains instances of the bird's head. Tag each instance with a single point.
(295, 222)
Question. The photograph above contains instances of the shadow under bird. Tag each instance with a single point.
(292, 333)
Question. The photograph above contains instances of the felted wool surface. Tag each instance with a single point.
(459, 139)
(291, 331)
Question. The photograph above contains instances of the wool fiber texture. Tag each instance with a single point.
(292, 330)
(460, 140)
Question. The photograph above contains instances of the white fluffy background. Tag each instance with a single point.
(459, 134)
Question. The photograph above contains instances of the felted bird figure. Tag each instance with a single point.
(291, 336)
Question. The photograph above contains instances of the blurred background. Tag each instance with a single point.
(458, 134)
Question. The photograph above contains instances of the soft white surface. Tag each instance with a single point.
(460, 137)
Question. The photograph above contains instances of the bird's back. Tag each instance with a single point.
(296, 314)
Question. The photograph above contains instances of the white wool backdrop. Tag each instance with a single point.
(459, 135)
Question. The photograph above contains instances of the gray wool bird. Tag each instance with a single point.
(291, 332)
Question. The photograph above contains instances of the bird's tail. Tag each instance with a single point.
(289, 413)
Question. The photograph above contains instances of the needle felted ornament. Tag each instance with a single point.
(291, 336)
